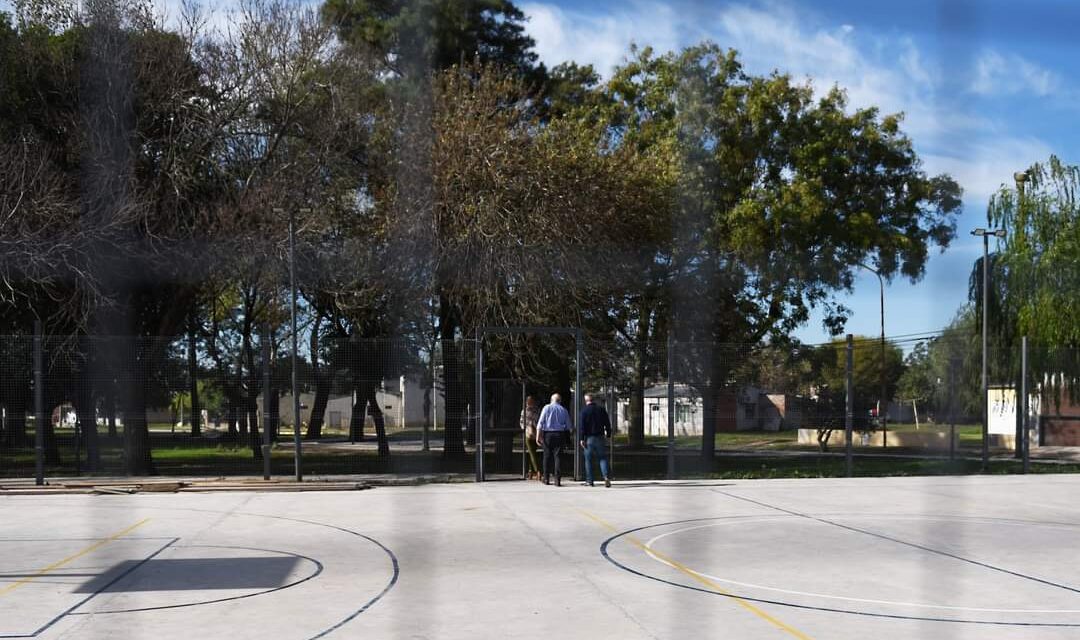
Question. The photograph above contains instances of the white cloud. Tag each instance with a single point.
(600, 40)
(999, 74)
(888, 71)
(770, 36)
(981, 167)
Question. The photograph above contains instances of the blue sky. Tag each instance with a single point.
(987, 88)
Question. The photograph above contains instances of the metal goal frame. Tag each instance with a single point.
(483, 332)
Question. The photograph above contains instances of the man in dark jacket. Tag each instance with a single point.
(595, 429)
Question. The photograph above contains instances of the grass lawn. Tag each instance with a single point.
(745, 454)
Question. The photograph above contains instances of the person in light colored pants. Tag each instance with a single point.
(529, 416)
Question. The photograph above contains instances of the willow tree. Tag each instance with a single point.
(1037, 273)
(1040, 255)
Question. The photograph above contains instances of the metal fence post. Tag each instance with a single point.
(579, 348)
(266, 401)
(524, 436)
(297, 451)
(1023, 405)
(478, 411)
(613, 416)
(670, 407)
(849, 409)
(39, 408)
(952, 407)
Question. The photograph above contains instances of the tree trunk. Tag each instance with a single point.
(53, 398)
(356, 420)
(110, 411)
(636, 431)
(233, 418)
(231, 411)
(52, 447)
(453, 372)
(318, 408)
(193, 380)
(137, 454)
(15, 435)
(275, 413)
(322, 386)
(86, 409)
(708, 422)
(710, 400)
(256, 442)
(372, 401)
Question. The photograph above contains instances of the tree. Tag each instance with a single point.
(780, 193)
(866, 370)
(517, 213)
(918, 383)
(1040, 257)
(414, 37)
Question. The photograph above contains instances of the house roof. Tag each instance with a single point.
(681, 391)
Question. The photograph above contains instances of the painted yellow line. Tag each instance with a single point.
(700, 578)
(59, 563)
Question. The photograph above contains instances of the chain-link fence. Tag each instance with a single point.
(199, 406)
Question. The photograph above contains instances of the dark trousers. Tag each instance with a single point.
(554, 443)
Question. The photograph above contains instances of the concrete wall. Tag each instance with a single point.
(927, 439)
(687, 416)
(400, 410)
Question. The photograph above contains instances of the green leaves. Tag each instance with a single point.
(1040, 256)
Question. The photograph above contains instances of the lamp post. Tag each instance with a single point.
(986, 233)
(297, 454)
(883, 403)
(1021, 178)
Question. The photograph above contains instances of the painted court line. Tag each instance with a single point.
(810, 594)
(93, 595)
(905, 543)
(59, 563)
(702, 579)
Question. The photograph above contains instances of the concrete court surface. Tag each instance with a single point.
(944, 557)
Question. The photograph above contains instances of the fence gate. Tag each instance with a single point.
(481, 426)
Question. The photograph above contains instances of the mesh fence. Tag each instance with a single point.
(193, 406)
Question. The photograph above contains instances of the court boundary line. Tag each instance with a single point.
(776, 622)
(826, 596)
(93, 595)
(905, 543)
(101, 542)
(607, 556)
(315, 574)
(395, 564)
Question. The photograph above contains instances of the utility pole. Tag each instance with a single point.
(986, 233)
(849, 405)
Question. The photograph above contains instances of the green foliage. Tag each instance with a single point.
(780, 194)
(420, 35)
(918, 381)
(867, 370)
(1040, 257)
(211, 399)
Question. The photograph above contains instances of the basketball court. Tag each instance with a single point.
(944, 557)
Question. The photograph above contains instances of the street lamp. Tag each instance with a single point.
(883, 403)
(297, 454)
(986, 233)
(1021, 178)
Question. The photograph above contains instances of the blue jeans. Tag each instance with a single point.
(594, 446)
